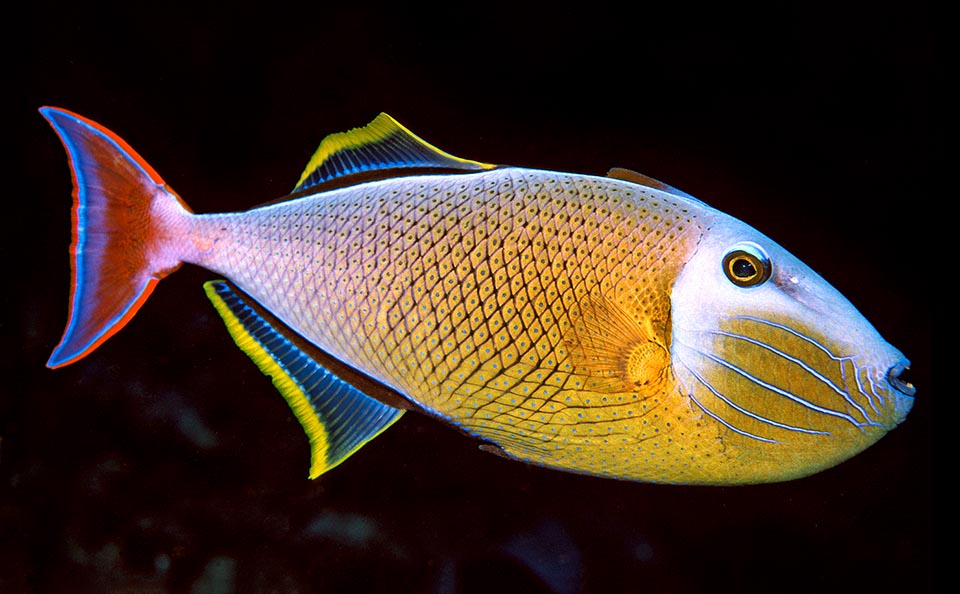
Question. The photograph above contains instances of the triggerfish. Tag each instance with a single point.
(605, 325)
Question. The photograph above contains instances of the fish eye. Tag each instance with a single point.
(747, 265)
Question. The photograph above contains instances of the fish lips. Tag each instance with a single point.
(903, 391)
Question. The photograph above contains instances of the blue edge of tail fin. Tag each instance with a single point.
(337, 418)
(116, 259)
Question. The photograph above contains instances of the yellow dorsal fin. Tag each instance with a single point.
(382, 144)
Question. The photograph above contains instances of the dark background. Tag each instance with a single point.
(165, 462)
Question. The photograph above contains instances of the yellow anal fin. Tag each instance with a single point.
(337, 418)
(382, 144)
(615, 352)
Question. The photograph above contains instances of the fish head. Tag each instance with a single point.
(781, 368)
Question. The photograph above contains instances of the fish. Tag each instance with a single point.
(607, 325)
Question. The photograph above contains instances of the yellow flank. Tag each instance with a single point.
(295, 397)
(528, 308)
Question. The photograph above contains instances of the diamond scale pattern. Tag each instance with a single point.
(462, 292)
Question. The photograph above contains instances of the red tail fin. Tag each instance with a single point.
(124, 224)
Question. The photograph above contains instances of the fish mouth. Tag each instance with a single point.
(893, 378)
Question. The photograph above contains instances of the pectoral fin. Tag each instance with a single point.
(615, 352)
(338, 418)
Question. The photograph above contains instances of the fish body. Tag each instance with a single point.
(611, 326)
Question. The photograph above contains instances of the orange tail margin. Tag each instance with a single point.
(124, 218)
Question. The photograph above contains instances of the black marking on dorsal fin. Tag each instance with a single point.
(382, 144)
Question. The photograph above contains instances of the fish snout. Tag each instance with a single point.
(893, 378)
(901, 392)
